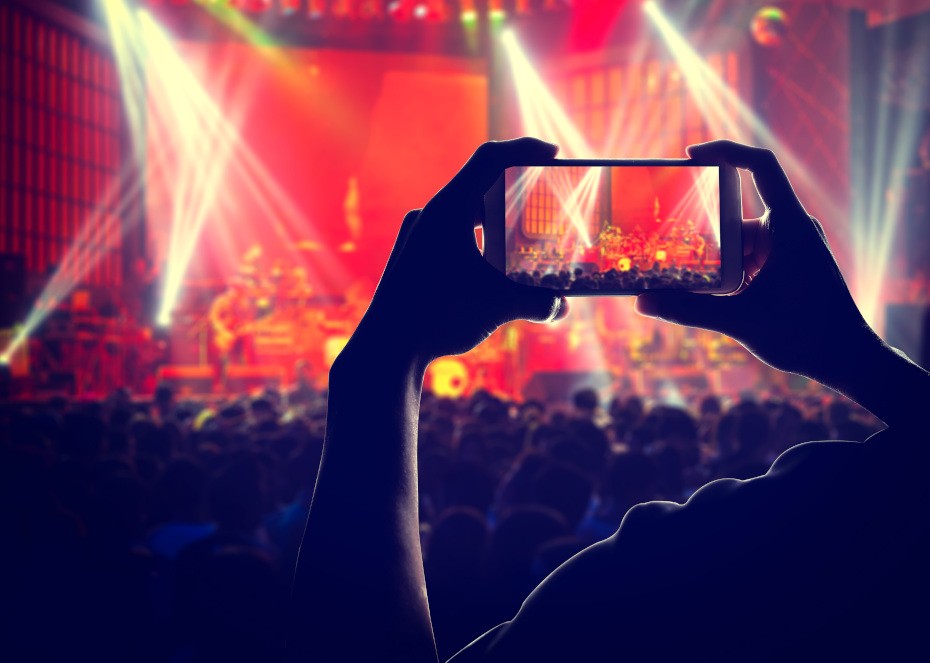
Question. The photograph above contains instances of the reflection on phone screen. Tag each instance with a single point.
(613, 229)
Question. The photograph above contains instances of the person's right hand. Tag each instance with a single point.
(793, 310)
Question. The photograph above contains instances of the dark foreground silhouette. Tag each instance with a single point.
(821, 558)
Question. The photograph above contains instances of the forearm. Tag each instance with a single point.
(359, 592)
(883, 381)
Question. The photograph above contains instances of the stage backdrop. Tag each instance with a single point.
(335, 147)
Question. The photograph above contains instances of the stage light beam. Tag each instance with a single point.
(728, 115)
(87, 249)
(541, 112)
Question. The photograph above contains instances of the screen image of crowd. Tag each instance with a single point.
(615, 280)
(168, 530)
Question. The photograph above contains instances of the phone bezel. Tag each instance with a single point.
(731, 220)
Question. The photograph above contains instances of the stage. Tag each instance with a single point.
(207, 196)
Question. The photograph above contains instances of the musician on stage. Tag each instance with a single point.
(232, 316)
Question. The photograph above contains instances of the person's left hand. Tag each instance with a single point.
(438, 295)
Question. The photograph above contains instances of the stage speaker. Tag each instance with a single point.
(188, 379)
(559, 386)
(13, 292)
(240, 379)
(907, 327)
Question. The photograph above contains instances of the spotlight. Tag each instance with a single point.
(420, 11)
(769, 26)
(468, 14)
(397, 10)
(191, 124)
(542, 114)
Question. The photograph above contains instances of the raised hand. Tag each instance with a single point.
(793, 310)
(438, 295)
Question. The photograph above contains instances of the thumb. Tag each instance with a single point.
(687, 308)
(534, 304)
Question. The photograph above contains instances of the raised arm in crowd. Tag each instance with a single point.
(823, 557)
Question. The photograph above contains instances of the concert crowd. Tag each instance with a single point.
(614, 280)
(168, 531)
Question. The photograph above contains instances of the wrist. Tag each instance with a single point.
(883, 380)
(374, 357)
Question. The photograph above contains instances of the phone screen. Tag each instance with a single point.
(609, 229)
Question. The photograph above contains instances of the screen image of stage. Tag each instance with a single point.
(613, 228)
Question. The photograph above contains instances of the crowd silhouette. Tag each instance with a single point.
(169, 531)
(614, 280)
(423, 528)
(815, 556)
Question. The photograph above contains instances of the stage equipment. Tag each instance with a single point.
(769, 26)
(244, 379)
(449, 377)
(6, 382)
(188, 379)
(12, 295)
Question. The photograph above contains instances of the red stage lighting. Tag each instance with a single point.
(290, 7)
(251, 5)
(467, 12)
(398, 10)
(316, 9)
(342, 9)
(370, 9)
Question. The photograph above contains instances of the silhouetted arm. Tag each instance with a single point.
(794, 311)
(359, 591)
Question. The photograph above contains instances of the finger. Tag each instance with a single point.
(771, 181)
(752, 240)
(524, 302)
(687, 308)
(406, 227)
(490, 160)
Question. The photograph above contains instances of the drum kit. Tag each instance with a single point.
(291, 320)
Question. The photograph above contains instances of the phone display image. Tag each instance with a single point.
(602, 229)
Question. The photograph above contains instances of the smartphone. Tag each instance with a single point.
(617, 227)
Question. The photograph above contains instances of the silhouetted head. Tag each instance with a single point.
(586, 401)
(163, 398)
(631, 478)
(179, 495)
(238, 494)
(517, 537)
(457, 544)
(565, 489)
